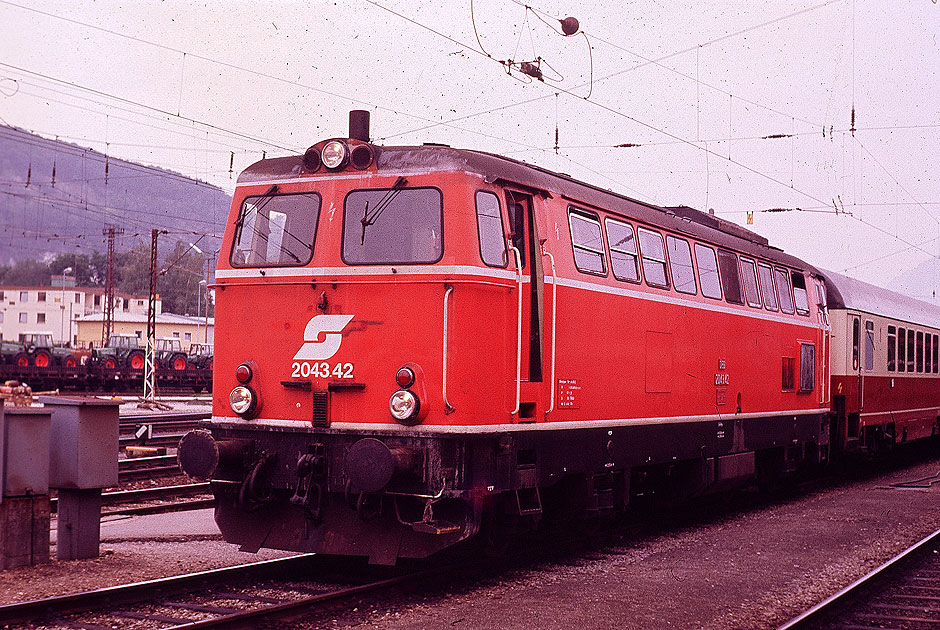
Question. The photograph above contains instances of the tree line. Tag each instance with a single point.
(178, 286)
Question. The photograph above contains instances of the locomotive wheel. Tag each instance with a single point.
(70, 361)
(178, 362)
(135, 360)
(42, 359)
(21, 360)
(110, 363)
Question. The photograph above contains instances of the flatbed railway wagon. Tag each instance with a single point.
(422, 345)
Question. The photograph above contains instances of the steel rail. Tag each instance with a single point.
(819, 611)
(142, 591)
(145, 494)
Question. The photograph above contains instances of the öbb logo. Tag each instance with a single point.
(331, 326)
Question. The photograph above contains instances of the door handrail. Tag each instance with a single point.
(448, 408)
(518, 259)
(551, 259)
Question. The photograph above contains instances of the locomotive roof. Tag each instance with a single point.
(496, 168)
(848, 293)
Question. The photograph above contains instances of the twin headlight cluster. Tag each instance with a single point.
(404, 404)
(337, 154)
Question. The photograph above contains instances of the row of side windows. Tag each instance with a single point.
(909, 350)
(721, 273)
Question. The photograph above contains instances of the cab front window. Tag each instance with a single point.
(276, 230)
(395, 225)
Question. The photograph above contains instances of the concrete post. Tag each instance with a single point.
(82, 460)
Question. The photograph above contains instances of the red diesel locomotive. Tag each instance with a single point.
(419, 345)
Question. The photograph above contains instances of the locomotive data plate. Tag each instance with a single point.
(568, 393)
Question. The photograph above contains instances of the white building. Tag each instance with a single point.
(187, 329)
(57, 309)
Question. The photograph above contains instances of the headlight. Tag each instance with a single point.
(334, 154)
(242, 400)
(403, 405)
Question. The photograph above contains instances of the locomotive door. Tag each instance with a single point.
(525, 240)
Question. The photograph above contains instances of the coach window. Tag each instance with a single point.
(855, 342)
(783, 286)
(869, 345)
(654, 258)
(936, 365)
(730, 276)
(623, 258)
(799, 293)
(807, 367)
(920, 351)
(892, 348)
(902, 350)
(708, 271)
(766, 276)
(490, 229)
(928, 353)
(910, 350)
(749, 272)
(588, 243)
(680, 261)
(276, 230)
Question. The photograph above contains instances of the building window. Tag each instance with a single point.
(97, 301)
(41, 296)
(139, 333)
(623, 258)
(187, 336)
(176, 335)
(140, 302)
(24, 296)
(807, 367)
(23, 318)
(654, 258)
(40, 318)
(869, 345)
(680, 259)
(588, 244)
(78, 298)
(708, 271)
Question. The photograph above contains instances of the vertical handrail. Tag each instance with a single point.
(518, 258)
(551, 259)
(447, 406)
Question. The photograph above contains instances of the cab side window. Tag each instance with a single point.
(654, 258)
(680, 259)
(490, 228)
(587, 242)
(623, 256)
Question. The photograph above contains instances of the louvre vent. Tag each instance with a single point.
(321, 409)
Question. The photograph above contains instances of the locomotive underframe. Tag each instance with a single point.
(291, 488)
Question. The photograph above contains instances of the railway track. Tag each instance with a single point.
(234, 597)
(114, 500)
(903, 593)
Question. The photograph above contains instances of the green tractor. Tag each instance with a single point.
(37, 349)
(122, 350)
(200, 356)
(169, 354)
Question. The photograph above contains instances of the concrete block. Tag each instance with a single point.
(24, 531)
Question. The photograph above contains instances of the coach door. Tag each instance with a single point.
(524, 239)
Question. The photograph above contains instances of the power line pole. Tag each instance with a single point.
(150, 372)
(107, 324)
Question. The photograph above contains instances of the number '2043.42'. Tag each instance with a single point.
(306, 369)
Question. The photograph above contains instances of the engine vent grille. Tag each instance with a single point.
(321, 409)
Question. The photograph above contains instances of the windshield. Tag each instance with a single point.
(276, 230)
(393, 225)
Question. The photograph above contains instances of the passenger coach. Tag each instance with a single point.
(417, 343)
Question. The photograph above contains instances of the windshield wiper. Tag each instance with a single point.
(380, 207)
(257, 206)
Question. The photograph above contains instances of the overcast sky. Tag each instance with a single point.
(699, 85)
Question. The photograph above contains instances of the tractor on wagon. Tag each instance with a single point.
(122, 350)
(37, 349)
(200, 356)
(169, 353)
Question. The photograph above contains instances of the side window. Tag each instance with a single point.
(787, 374)
(783, 287)
(766, 276)
(856, 333)
(936, 365)
(892, 348)
(807, 367)
(654, 258)
(869, 345)
(708, 271)
(910, 350)
(680, 261)
(490, 228)
(920, 351)
(623, 258)
(730, 276)
(749, 272)
(902, 350)
(588, 243)
(799, 293)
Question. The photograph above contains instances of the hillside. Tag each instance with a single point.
(41, 216)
